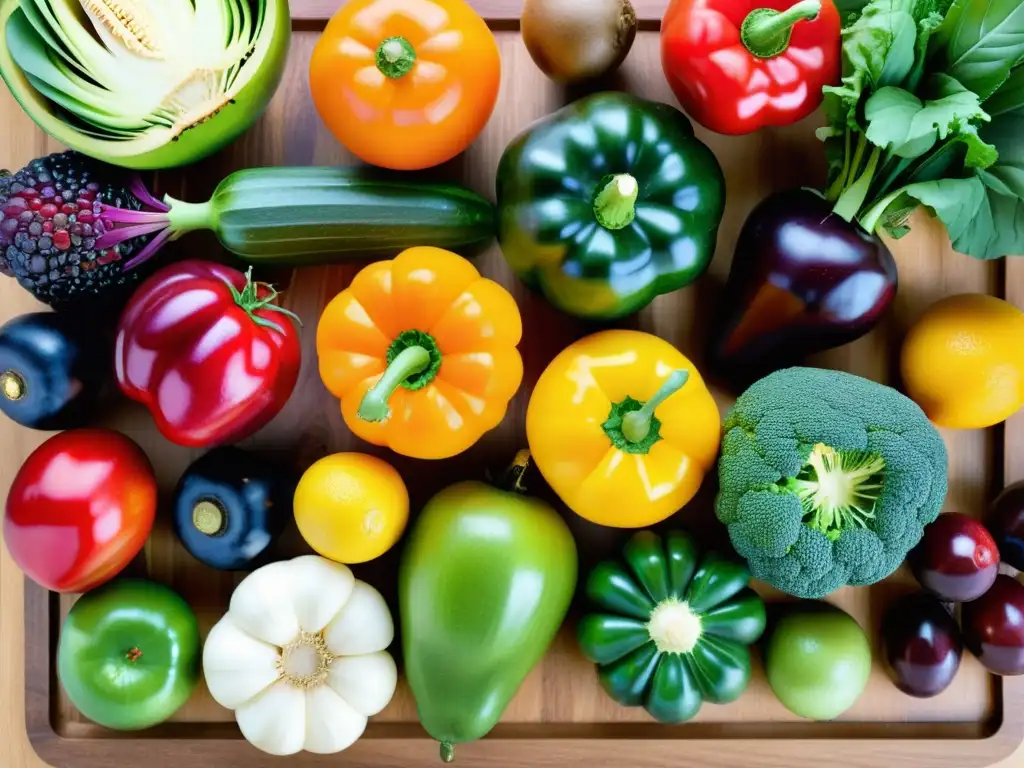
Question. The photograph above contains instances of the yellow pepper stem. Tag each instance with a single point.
(636, 425)
(409, 362)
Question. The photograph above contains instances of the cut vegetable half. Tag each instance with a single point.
(144, 83)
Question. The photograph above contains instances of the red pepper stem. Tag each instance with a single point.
(408, 362)
(766, 32)
(395, 57)
(636, 425)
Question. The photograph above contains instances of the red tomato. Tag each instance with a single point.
(80, 508)
(208, 352)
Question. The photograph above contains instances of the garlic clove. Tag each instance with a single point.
(331, 724)
(366, 683)
(320, 588)
(275, 721)
(264, 604)
(236, 665)
(364, 625)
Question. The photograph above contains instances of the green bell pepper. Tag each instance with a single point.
(677, 628)
(608, 203)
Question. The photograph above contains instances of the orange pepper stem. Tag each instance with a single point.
(766, 32)
(615, 201)
(636, 425)
(395, 57)
(409, 362)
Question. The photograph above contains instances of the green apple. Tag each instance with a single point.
(818, 660)
(129, 654)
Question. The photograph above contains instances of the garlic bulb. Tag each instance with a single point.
(300, 656)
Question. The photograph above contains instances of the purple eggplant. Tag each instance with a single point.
(803, 280)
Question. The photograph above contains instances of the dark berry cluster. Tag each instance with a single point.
(51, 222)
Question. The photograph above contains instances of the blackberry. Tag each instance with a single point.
(51, 225)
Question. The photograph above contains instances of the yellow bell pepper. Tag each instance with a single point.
(623, 428)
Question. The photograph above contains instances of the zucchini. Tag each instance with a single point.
(301, 216)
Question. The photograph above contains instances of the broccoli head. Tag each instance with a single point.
(827, 479)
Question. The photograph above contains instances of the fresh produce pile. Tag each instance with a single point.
(825, 480)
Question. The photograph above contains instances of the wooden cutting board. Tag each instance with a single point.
(754, 166)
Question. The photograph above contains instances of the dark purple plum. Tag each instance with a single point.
(922, 645)
(1007, 524)
(803, 280)
(957, 559)
(993, 626)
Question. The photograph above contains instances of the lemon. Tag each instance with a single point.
(351, 507)
(963, 361)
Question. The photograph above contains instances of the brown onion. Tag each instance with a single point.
(575, 40)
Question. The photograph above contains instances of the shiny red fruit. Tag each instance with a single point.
(1007, 524)
(993, 627)
(208, 351)
(80, 509)
(922, 645)
(957, 559)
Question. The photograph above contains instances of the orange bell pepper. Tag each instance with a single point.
(406, 84)
(422, 352)
(623, 428)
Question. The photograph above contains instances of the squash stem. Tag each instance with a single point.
(447, 751)
(636, 425)
(189, 217)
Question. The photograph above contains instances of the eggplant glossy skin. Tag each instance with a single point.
(53, 368)
(1007, 524)
(484, 585)
(230, 506)
(803, 280)
(922, 645)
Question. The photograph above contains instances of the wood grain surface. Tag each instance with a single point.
(498, 11)
(561, 699)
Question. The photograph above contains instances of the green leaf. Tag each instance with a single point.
(926, 26)
(980, 154)
(891, 113)
(1006, 134)
(880, 48)
(980, 42)
(901, 121)
(1010, 96)
(963, 206)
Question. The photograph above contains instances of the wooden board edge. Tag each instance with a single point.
(62, 752)
(504, 11)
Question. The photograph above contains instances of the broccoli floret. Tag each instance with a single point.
(827, 479)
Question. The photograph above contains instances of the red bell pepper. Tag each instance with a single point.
(208, 352)
(739, 65)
